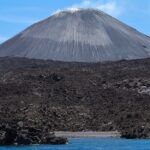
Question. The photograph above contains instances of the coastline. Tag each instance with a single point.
(88, 134)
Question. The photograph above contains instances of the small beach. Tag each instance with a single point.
(88, 134)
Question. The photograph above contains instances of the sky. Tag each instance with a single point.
(16, 15)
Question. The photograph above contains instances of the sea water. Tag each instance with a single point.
(91, 144)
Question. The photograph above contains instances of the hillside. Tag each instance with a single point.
(76, 96)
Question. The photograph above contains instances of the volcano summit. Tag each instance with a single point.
(80, 35)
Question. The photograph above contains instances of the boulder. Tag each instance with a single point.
(56, 140)
(8, 136)
(23, 140)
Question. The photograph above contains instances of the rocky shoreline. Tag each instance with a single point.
(19, 135)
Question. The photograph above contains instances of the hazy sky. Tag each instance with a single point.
(16, 15)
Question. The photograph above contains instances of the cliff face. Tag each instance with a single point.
(83, 36)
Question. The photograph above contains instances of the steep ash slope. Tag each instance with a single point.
(84, 35)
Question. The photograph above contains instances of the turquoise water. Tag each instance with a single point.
(91, 144)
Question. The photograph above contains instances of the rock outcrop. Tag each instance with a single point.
(21, 135)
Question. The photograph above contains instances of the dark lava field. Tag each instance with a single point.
(63, 96)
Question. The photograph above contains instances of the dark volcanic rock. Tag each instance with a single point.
(45, 96)
(135, 132)
(84, 35)
(23, 140)
(55, 140)
(12, 135)
(7, 135)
